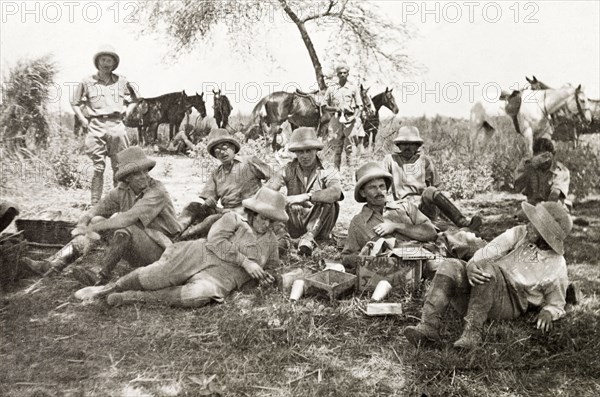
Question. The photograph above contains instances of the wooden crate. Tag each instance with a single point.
(333, 282)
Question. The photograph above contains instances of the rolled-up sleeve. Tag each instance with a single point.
(219, 240)
(79, 95)
(332, 191)
(555, 297)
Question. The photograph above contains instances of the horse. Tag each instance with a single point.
(297, 108)
(222, 109)
(537, 106)
(531, 109)
(371, 121)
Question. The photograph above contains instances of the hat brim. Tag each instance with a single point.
(130, 168)
(265, 209)
(545, 224)
(112, 54)
(211, 145)
(369, 177)
(419, 141)
(306, 145)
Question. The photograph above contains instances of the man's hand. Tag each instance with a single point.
(385, 228)
(542, 161)
(297, 199)
(477, 276)
(257, 272)
(544, 321)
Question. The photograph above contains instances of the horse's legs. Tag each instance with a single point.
(140, 136)
(528, 135)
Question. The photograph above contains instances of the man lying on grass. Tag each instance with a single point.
(522, 267)
(140, 213)
(194, 273)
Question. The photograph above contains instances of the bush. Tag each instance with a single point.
(583, 163)
(24, 114)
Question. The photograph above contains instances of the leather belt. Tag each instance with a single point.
(112, 116)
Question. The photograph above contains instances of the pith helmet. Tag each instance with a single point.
(106, 50)
(304, 138)
(367, 173)
(221, 135)
(268, 203)
(408, 134)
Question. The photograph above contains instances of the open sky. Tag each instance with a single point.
(465, 46)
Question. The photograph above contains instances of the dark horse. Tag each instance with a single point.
(297, 108)
(222, 109)
(170, 108)
(371, 122)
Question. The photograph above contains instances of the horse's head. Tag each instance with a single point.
(368, 106)
(582, 107)
(217, 93)
(535, 84)
(389, 101)
(197, 101)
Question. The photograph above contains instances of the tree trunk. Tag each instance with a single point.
(308, 43)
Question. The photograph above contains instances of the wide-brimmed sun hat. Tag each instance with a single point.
(221, 135)
(551, 221)
(268, 203)
(304, 138)
(132, 159)
(408, 134)
(106, 50)
(367, 173)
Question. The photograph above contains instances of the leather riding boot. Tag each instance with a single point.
(449, 209)
(97, 186)
(186, 217)
(56, 263)
(436, 303)
(480, 304)
(116, 249)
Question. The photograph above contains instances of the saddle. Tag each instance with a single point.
(316, 97)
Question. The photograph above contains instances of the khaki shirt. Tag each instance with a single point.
(345, 97)
(153, 207)
(537, 184)
(100, 98)
(236, 184)
(324, 182)
(361, 227)
(410, 177)
(540, 275)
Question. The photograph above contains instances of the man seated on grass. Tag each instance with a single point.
(542, 178)
(523, 267)
(381, 218)
(193, 273)
(235, 179)
(182, 142)
(416, 179)
(143, 224)
(313, 191)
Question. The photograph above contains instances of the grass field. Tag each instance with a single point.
(258, 343)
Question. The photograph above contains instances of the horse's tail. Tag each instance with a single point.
(258, 112)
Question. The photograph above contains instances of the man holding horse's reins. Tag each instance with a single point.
(104, 96)
(345, 98)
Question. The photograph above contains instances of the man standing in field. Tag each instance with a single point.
(345, 98)
(313, 191)
(416, 179)
(140, 213)
(103, 97)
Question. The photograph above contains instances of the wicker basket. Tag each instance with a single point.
(46, 232)
(11, 250)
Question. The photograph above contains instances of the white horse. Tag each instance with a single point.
(534, 113)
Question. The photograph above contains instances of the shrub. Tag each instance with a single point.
(24, 114)
(583, 163)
